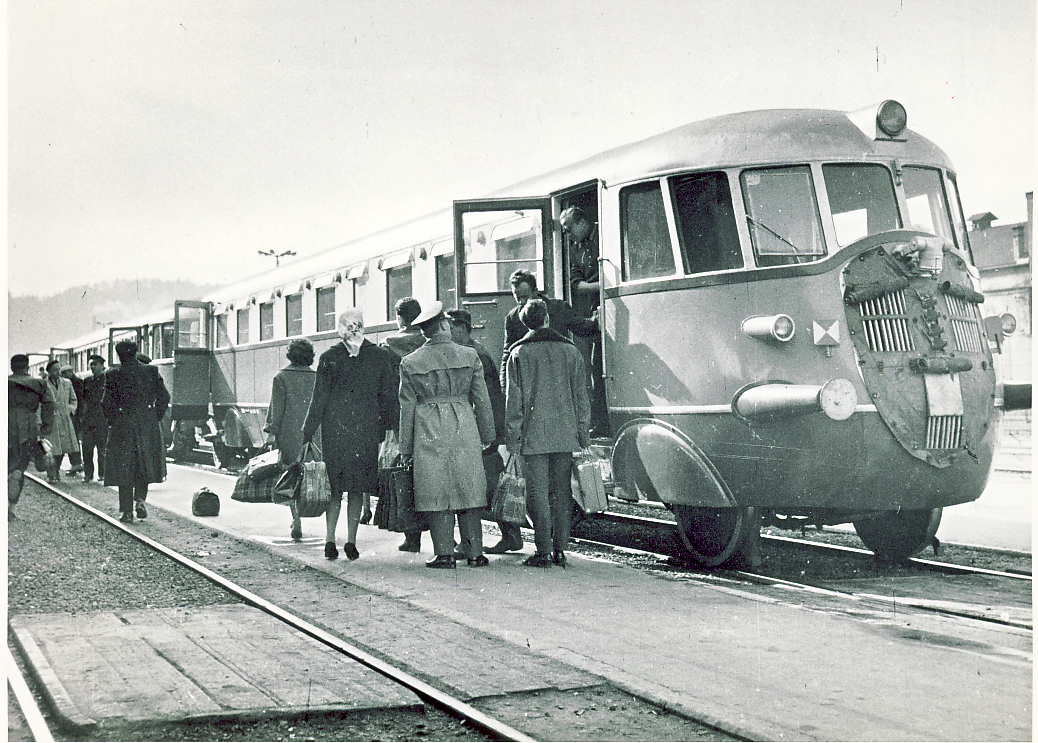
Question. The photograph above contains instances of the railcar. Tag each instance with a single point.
(790, 318)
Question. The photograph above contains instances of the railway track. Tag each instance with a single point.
(492, 727)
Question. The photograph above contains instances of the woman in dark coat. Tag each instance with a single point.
(135, 400)
(290, 395)
(354, 404)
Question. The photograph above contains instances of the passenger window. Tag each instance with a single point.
(861, 198)
(398, 286)
(243, 326)
(646, 246)
(706, 223)
(927, 206)
(223, 335)
(293, 314)
(325, 308)
(266, 321)
(783, 215)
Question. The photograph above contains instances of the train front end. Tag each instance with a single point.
(843, 375)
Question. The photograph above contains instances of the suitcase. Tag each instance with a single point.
(205, 503)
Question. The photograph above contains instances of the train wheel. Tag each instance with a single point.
(714, 535)
(896, 535)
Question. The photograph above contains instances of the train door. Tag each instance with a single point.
(188, 377)
(492, 239)
(125, 333)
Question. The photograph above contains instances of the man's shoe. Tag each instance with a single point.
(478, 562)
(296, 533)
(538, 560)
(411, 545)
(502, 547)
(330, 552)
(558, 557)
(351, 550)
(441, 561)
(142, 512)
(126, 518)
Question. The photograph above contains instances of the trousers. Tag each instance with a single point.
(548, 498)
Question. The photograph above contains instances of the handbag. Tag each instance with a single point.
(286, 487)
(590, 492)
(247, 489)
(406, 518)
(314, 489)
(509, 504)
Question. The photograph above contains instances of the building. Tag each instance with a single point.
(1003, 257)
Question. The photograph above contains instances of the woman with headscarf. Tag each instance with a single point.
(290, 395)
(445, 423)
(354, 404)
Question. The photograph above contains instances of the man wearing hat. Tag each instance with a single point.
(30, 401)
(461, 333)
(445, 423)
(92, 421)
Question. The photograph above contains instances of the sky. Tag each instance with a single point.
(176, 139)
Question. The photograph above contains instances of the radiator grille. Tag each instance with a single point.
(965, 324)
(944, 432)
(886, 323)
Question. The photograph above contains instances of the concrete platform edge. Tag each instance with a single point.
(61, 706)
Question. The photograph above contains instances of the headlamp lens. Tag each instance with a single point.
(891, 118)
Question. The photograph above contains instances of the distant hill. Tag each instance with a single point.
(35, 324)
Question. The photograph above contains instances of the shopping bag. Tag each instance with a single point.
(247, 489)
(407, 519)
(263, 466)
(510, 495)
(286, 487)
(388, 459)
(589, 492)
(314, 489)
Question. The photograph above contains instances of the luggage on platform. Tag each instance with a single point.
(205, 503)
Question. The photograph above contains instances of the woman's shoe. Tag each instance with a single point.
(297, 533)
(538, 560)
(330, 552)
(351, 550)
(478, 562)
(441, 561)
(558, 557)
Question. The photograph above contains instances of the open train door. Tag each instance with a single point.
(133, 333)
(188, 378)
(493, 238)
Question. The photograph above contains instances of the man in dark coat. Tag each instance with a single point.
(354, 404)
(135, 400)
(93, 424)
(28, 399)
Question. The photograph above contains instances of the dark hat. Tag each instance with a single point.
(94, 357)
(431, 311)
(461, 317)
(143, 358)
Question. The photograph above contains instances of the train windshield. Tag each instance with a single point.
(861, 199)
(927, 204)
(782, 214)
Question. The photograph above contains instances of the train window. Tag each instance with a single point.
(497, 243)
(706, 222)
(163, 347)
(445, 289)
(294, 314)
(191, 327)
(927, 205)
(266, 321)
(398, 286)
(647, 250)
(325, 308)
(862, 201)
(961, 236)
(223, 334)
(243, 326)
(783, 215)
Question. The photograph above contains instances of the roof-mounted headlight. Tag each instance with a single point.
(886, 120)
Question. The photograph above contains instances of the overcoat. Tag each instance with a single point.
(30, 406)
(62, 436)
(561, 318)
(445, 415)
(91, 416)
(135, 400)
(354, 404)
(290, 395)
(546, 401)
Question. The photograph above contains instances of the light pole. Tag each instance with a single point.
(277, 256)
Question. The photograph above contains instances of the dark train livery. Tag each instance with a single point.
(790, 317)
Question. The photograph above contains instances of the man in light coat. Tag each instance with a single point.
(445, 423)
(547, 415)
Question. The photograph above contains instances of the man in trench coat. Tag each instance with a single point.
(445, 423)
